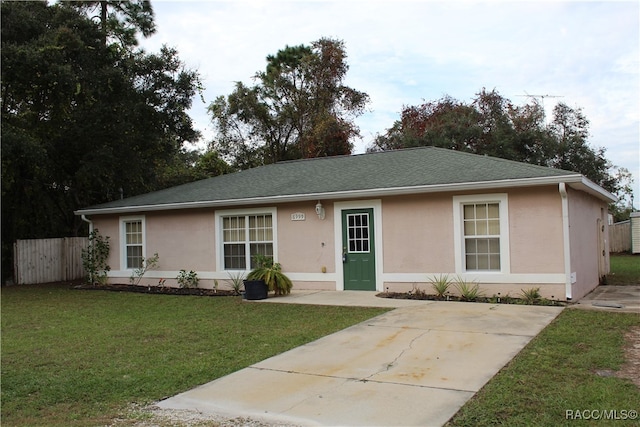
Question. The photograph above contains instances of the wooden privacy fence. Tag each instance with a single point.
(48, 260)
(620, 237)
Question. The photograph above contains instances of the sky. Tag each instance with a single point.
(585, 54)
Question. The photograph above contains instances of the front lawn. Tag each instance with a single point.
(80, 358)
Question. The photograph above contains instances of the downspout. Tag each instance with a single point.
(85, 219)
(566, 240)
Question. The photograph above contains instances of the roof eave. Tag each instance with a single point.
(575, 180)
(592, 188)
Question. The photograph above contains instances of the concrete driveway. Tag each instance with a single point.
(415, 365)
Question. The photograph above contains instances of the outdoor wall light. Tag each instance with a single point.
(320, 210)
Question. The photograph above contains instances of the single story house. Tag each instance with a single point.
(380, 221)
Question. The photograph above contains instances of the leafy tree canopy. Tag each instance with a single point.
(119, 20)
(298, 108)
(493, 125)
(82, 119)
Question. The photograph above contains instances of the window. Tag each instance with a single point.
(358, 232)
(243, 237)
(482, 236)
(133, 242)
(481, 233)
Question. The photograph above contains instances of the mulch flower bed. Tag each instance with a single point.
(162, 290)
(490, 300)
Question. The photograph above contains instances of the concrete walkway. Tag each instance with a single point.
(415, 365)
(622, 299)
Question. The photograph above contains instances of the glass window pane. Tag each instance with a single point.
(494, 246)
(471, 262)
(265, 249)
(483, 246)
(481, 228)
(494, 226)
(494, 210)
(469, 228)
(469, 212)
(494, 262)
(234, 256)
(483, 262)
(134, 256)
(470, 246)
(481, 211)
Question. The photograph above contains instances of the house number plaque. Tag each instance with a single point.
(298, 216)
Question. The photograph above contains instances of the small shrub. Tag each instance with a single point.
(188, 279)
(237, 282)
(94, 258)
(530, 296)
(147, 264)
(441, 285)
(469, 291)
(271, 272)
(419, 293)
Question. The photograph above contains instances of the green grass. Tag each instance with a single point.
(625, 270)
(80, 358)
(555, 373)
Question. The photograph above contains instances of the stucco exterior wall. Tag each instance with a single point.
(535, 222)
(419, 242)
(306, 246)
(418, 232)
(417, 235)
(183, 239)
(587, 216)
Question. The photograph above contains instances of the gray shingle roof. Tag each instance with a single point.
(322, 177)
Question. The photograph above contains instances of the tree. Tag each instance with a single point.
(81, 120)
(494, 126)
(298, 108)
(119, 20)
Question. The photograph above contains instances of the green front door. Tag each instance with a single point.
(358, 256)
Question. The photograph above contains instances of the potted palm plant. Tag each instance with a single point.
(266, 276)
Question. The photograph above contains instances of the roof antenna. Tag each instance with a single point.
(542, 97)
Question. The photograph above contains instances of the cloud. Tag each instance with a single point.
(404, 52)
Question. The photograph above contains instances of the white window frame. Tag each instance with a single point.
(458, 231)
(219, 214)
(123, 239)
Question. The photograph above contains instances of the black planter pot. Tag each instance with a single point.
(255, 289)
